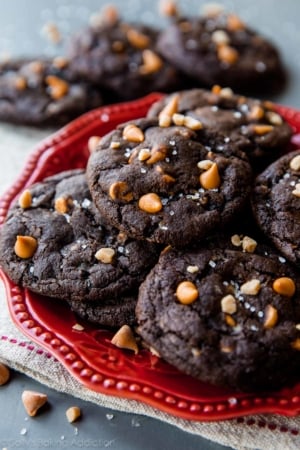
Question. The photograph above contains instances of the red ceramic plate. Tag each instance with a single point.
(88, 355)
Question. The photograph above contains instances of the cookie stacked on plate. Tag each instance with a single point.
(112, 60)
(158, 232)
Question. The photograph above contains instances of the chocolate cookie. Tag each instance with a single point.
(54, 242)
(43, 92)
(276, 204)
(167, 184)
(252, 124)
(225, 316)
(112, 313)
(221, 49)
(122, 58)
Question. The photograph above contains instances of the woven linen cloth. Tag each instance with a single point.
(267, 432)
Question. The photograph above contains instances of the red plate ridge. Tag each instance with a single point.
(88, 355)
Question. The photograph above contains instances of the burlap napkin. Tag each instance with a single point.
(268, 432)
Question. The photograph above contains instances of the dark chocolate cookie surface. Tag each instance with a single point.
(40, 92)
(112, 313)
(252, 124)
(276, 204)
(58, 245)
(221, 49)
(167, 184)
(225, 316)
(122, 58)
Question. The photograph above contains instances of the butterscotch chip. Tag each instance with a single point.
(25, 246)
(296, 191)
(196, 352)
(251, 287)
(58, 87)
(186, 121)
(110, 14)
(230, 320)
(165, 120)
(73, 413)
(284, 286)
(60, 62)
(4, 374)
(226, 348)
(187, 292)
(271, 316)
(295, 163)
(256, 112)
(62, 204)
(249, 245)
(105, 255)
(165, 115)
(210, 179)
(36, 67)
(25, 199)
(133, 134)
(137, 39)
(274, 118)
(20, 83)
(296, 344)
(212, 9)
(118, 46)
(93, 143)
(33, 401)
(157, 154)
(144, 154)
(216, 89)
(226, 92)
(236, 240)
(178, 119)
(120, 191)
(168, 178)
(124, 338)
(168, 8)
(262, 129)
(52, 33)
(227, 54)
(234, 23)
(220, 37)
(228, 304)
(192, 123)
(151, 62)
(115, 145)
(150, 203)
(205, 164)
(192, 269)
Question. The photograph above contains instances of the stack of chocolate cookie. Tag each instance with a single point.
(112, 60)
(158, 233)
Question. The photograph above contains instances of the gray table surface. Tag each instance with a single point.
(21, 33)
